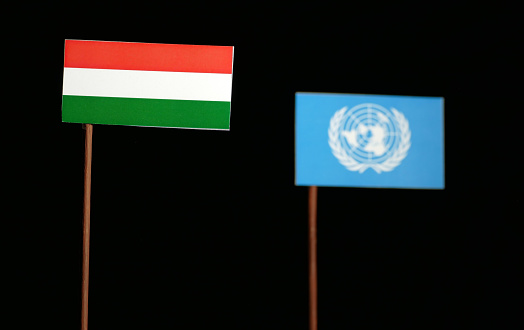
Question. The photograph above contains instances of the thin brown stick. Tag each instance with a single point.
(87, 221)
(313, 318)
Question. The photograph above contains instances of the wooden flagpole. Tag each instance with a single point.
(87, 221)
(313, 318)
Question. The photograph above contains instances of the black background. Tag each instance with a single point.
(205, 229)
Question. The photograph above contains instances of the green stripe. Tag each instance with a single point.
(145, 112)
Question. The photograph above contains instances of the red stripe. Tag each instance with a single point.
(148, 57)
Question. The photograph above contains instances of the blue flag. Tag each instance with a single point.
(352, 140)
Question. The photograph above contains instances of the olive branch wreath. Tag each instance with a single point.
(353, 165)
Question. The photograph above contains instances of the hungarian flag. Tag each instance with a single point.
(146, 84)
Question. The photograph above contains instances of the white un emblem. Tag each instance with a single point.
(369, 136)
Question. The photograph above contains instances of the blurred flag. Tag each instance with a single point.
(352, 140)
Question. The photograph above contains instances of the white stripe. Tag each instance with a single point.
(147, 84)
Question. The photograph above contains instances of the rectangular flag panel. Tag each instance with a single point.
(380, 141)
(144, 84)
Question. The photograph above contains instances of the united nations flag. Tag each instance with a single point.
(369, 141)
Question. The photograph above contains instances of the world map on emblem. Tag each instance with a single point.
(369, 136)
